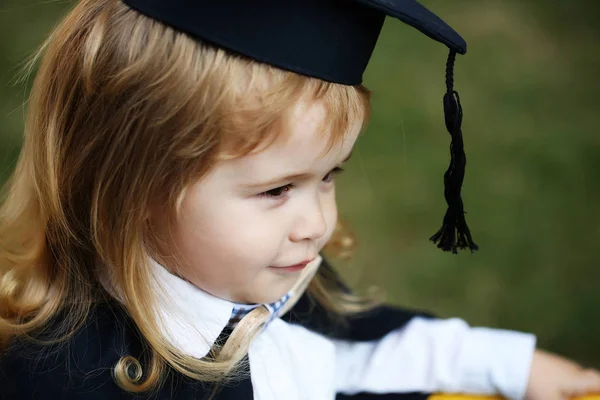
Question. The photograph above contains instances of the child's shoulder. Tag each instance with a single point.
(80, 367)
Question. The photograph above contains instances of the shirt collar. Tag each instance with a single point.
(193, 319)
(241, 310)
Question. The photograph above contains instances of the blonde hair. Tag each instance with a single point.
(124, 114)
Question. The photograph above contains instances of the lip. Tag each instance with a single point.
(292, 268)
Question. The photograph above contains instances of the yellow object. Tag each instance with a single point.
(466, 397)
(461, 397)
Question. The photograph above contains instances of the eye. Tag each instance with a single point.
(277, 192)
(331, 175)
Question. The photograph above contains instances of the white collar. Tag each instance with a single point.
(193, 319)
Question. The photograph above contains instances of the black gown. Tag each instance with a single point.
(82, 368)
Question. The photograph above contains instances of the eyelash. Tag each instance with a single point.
(281, 190)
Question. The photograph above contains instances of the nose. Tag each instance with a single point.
(311, 223)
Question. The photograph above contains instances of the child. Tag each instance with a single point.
(161, 233)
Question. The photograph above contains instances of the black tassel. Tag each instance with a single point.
(454, 233)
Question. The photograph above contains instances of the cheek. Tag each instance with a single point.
(330, 213)
(231, 231)
(225, 248)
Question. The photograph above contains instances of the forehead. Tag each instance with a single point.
(304, 143)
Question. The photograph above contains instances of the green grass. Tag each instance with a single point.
(529, 86)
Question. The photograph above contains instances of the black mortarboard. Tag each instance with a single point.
(331, 40)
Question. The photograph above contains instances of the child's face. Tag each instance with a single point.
(240, 223)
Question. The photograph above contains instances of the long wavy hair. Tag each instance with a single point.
(124, 111)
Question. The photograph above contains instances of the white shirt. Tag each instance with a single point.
(291, 362)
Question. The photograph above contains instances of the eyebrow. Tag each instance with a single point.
(288, 178)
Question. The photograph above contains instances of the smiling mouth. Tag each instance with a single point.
(292, 268)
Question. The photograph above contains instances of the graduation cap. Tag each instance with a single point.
(331, 40)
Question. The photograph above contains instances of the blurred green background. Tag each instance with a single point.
(530, 89)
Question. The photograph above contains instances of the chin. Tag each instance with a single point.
(267, 298)
(272, 295)
(268, 291)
